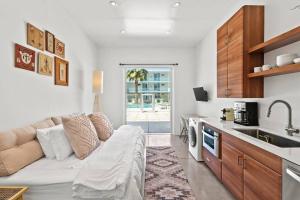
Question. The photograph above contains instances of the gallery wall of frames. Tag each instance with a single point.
(47, 59)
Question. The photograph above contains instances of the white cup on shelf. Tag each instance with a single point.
(257, 69)
(266, 67)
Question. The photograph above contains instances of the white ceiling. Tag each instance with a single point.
(103, 23)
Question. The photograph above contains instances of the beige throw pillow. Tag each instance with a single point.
(57, 120)
(102, 124)
(81, 134)
(47, 123)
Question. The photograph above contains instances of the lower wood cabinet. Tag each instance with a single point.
(246, 174)
(232, 170)
(213, 162)
(260, 182)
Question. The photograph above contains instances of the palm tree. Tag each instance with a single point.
(137, 75)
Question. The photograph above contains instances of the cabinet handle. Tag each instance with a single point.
(244, 163)
(229, 37)
(207, 159)
(227, 92)
(240, 160)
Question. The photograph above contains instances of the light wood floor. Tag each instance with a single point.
(204, 184)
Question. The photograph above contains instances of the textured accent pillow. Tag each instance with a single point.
(102, 125)
(59, 142)
(81, 134)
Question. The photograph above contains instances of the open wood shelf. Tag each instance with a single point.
(287, 69)
(277, 42)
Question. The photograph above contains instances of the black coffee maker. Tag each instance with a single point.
(246, 113)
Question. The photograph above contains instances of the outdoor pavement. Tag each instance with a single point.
(153, 126)
(150, 121)
(138, 115)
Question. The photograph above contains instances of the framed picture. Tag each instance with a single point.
(61, 72)
(24, 58)
(35, 37)
(45, 64)
(49, 41)
(59, 48)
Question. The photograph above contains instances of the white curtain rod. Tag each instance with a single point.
(125, 64)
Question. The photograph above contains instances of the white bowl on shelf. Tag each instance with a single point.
(297, 60)
(285, 59)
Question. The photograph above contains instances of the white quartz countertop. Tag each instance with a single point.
(290, 154)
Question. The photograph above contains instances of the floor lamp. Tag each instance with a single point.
(97, 89)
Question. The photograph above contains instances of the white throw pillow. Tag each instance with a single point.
(59, 142)
(43, 135)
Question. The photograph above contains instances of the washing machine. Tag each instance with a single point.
(195, 138)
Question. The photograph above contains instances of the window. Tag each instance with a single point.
(156, 87)
(156, 76)
(145, 87)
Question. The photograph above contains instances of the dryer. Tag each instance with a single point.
(195, 138)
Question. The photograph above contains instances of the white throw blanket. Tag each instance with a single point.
(117, 171)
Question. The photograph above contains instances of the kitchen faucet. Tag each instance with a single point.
(290, 130)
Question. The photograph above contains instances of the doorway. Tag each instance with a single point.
(148, 96)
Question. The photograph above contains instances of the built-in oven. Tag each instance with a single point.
(211, 140)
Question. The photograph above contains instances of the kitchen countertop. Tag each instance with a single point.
(290, 154)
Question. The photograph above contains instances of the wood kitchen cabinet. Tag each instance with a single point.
(222, 72)
(260, 182)
(242, 31)
(232, 169)
(249, 172)
(213, 163)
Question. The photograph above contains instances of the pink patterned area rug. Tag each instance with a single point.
(165, 178)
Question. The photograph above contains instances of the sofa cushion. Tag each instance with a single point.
(16, 137)
(81, 134)
(14, 159)
(18, 147)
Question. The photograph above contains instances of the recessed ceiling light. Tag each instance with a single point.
(113, 3)
(176, 4)
(122, 31)
(150, 27)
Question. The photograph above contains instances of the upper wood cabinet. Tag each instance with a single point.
(243, 30)
(222, 72)
(222, 37)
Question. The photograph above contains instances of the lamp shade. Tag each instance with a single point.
(98, 81)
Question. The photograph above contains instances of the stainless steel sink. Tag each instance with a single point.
(270, 138)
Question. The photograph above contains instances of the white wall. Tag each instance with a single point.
(27, 96)
(112, 99)
(278, 19)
